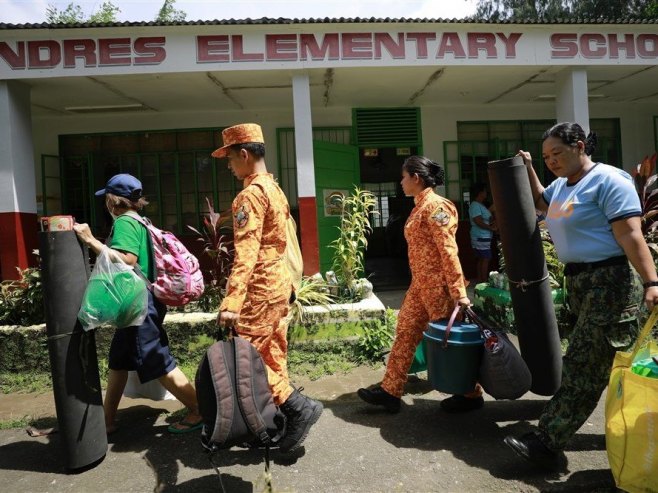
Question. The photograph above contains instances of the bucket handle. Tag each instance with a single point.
(486, 331)
(451, 321)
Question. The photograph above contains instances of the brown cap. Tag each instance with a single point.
(245, 133)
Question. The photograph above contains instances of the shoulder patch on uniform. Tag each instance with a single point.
(441, 217)
(241, 216)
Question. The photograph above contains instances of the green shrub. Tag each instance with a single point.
(377, 337)
(350, 246)
(21, 301)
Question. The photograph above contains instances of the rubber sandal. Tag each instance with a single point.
(187, 427)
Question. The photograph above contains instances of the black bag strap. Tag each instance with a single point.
(223, 392)
(244, 368)
(268, 477)
(487, 331)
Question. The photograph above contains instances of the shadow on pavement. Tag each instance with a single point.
(34, 456)
(165, 453)
(476, 437)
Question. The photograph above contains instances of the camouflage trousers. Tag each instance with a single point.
(604, 304)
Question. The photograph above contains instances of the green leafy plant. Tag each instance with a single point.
(377, 337)
(218, 247)
(21, 301)
(312, 291)
(646, 184)
(350, 246)
(553, 264)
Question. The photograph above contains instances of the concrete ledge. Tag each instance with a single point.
(26, 348)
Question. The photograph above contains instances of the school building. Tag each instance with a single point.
(342, 103)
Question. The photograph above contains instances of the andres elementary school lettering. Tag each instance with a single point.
(280, 48)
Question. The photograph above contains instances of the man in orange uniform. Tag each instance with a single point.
(437, 283)
(259, 287)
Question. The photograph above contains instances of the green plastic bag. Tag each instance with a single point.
(115, 295)
(646, 367)
(420, 359)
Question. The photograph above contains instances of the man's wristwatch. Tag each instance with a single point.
(649, 284)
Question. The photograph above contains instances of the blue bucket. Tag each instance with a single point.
(453, 368)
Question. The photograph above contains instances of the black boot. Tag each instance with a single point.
(532, 448)
(379, 397)
(301, 412)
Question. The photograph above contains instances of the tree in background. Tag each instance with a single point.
(500, 10)
(70, 15)
(73, 14)
(170, 14)
(107, 12)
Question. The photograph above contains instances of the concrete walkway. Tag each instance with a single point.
(353, 448)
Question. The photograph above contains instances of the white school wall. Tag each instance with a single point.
(439, 124)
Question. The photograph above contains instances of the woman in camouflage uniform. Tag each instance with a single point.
(437, 282)
(593, 214)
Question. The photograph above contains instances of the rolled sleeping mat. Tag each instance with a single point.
(73, 361)
(525, 265)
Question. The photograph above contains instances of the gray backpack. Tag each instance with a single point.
(234, 397)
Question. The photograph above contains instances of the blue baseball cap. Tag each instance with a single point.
(123, 185)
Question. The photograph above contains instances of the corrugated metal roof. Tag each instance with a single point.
(324, 20)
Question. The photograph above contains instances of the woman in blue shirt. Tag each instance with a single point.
(593, 214)
(482, 230)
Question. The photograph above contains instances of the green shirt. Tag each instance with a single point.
(131, 236)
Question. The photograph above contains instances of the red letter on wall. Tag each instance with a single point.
(15, 59)
(114, 51)
(564, 45)
(151, 50)
(36, 48)
(308, 45)
(79, 48)
(281, 46)
(212, 49)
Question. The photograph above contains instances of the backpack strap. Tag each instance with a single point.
(244, 367)
(136, 267)
(221, 380)
(146, 222)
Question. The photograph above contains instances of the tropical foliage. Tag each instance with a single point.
(21, 301)
(107, 12)
(218, 247)
(73, 14)
(168, 13)
(350, 246)
(646, 184)
(312, 291)
(377, 337)
(500, 10)
(647, 188)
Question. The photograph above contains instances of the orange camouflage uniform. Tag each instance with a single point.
(259, 287)
(437, 281)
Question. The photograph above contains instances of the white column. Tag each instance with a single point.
(572, 103)
(301, 95)
(17, 177)
(18, 205)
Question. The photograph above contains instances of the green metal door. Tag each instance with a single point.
(336, 172)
